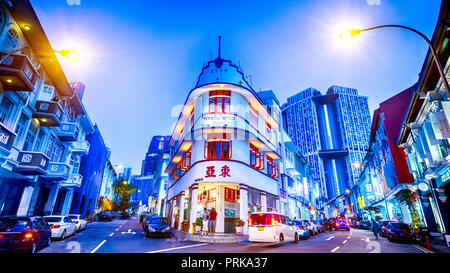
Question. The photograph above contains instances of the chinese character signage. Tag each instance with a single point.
(211, 171)
(230, 194)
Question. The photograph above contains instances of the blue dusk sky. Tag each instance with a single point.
(141, 58)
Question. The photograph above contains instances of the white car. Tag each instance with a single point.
(312, 228)
(61, 226)
(80, 223)
(271, 227)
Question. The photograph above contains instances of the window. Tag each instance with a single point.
(272, 168)
(268, 130)
(256, 159)
(39, 141)
(219, 101)
(217, 150)
(5, 109)
(12, 38)
(186, 160)
(31, 135)
(57, 152)
(253, 118)
(20, 128)
(49, 145)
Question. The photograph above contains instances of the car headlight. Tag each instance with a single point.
(150, 229)
(167, 229)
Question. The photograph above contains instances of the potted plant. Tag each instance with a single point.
(198, 225)
(185, 226)
(239, 226)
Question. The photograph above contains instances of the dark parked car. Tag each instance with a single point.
(24, 233)
(383, 227)
(125, 215)
(342, 224)
(399, 232)
(105, 217)
(156, 226)
(367, 225)
(143, 216)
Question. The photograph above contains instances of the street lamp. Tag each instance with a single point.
(353, 32)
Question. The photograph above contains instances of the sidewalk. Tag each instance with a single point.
(437, 244)
(218, 238)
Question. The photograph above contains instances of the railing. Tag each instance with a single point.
(74, 180)
(58, 170)
(17, 73)
(32, 163)
(68, 131)
(48, 113)
(6, 140)
(81, 146)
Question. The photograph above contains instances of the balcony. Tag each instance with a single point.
(6, 140)
(48, 113)
(32, 163)
(57, 171)
(73, 181)
(17, 73)
(68, 131)
(80, 147)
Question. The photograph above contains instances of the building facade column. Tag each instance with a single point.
(243, 206)
(181, 210)
(48, 208)
(193, 211)
(220, 220)
(67, 202)
(174, 205)
(25, 200)
(263, 201)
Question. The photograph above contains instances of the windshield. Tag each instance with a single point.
(297, 223)
(162, 221)
(74, 217)
(52, 219)
(400, 225)
(11, 223)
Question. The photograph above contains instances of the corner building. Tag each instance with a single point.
(224, 152)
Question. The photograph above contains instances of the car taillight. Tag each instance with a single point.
(28, 235)
(347, 224)
(76, 222)
(337, 224)
(250, 222)
(55, 226)
(301, 227)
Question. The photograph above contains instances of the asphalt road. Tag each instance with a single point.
(126, 236)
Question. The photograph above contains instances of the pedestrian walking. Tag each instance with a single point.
(205, 218)
(212, 220)
(375, 228)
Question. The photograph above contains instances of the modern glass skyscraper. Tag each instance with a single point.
(332, 132)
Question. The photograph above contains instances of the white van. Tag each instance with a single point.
(270, 227)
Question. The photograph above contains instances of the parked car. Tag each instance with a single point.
(24, 233)
(312, 227)
(303, 232)
(105, 217)
(61, 226)
(146, 221)
(271, 227)
(399, 232)
(157, 226)
(342, 224)
(319, 225)
(125, 215)
(383, 227)
(143, 216)
(80, 223)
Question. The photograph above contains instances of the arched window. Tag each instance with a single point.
(12, 38)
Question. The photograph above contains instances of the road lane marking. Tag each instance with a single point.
(117, 229)
(423, 249)
(335, 249)
(348, 237)
(111, 234)
(129, 232)
(330, 238)
(174, 248)
(344, 242)
(95, 249)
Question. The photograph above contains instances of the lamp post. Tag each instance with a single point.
(69, 54)
(350, 33)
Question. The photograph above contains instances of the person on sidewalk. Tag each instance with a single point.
(205, 218)
(375, 228)
(212, 221)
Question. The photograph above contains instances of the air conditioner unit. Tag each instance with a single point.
(47, 93)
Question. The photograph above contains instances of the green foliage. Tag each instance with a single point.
(122, 192)
(199, 221)
(239, 222)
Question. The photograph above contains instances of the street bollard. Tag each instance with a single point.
(427, 239)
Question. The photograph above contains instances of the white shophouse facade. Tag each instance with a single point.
(223, 152)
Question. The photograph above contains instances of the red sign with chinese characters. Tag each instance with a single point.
(224, 171)
(230, 194)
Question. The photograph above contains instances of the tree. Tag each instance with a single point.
(122, 192)
(409, 199)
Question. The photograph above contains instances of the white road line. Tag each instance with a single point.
(335, 249)
(344, 242)
(180, 247)
(111, 234)
(117, 229)
(95, 249)
(330, 238)
(348, 237)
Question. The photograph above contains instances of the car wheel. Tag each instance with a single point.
(296, 238)
(63, 235)
(281, 240)
(33, 247)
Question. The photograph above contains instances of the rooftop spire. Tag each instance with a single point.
(219, 60)
(220, 37)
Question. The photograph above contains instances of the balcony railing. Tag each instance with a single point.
(6, 140)
(57, 171)
(17, 73)
(80, 147)
(73, 181)
(48, 113)
(68, 131)
(32, 163)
